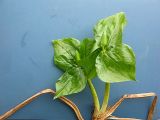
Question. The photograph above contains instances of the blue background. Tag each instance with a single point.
(26, 54)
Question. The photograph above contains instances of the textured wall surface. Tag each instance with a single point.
(26, 54)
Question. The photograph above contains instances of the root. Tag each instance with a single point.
(29, 100)
(107, 115)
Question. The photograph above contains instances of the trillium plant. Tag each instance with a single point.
(104, 56)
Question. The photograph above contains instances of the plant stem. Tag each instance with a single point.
(106, 97)
(94, 95)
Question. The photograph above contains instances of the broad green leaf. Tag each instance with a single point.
(72, 81)
(108, 31)
(65, 52)
(116, 62)
(117, 65)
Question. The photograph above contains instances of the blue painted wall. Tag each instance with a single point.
(26, 55)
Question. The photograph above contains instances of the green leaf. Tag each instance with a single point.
(117, 65)
(65, 52)
(116, 62)
(72, 81)
(108, 31)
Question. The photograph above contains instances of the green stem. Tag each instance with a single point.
(106, 97)
(94, 95)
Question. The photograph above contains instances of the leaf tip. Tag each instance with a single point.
(54, 41)
(55, 97)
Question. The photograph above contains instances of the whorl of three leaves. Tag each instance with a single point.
(104, 56)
